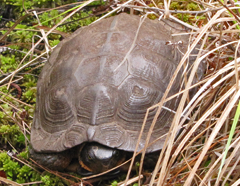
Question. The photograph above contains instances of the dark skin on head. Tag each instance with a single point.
(93, 158)
(97, 158)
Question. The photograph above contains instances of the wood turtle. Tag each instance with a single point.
(95, 90)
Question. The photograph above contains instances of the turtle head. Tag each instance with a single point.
(98, 158)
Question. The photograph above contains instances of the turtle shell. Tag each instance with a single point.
(99, 83)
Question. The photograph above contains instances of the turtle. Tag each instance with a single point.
(94, 91)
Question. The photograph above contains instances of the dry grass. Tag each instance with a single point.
(207, 151)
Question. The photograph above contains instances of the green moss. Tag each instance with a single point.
(9, 166)
(192, 7)
(8, 64)
(49, 180)
(15, 171)
(25, 174)
(54, 43)
(22, 173)
(11, 134)
(174, 5)
(4, 89)
(114, 183)
(183, 17)
(24, 154)
(30, 95)
(5, 115)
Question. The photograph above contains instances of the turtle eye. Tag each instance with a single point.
(116, 153)
(89, 157)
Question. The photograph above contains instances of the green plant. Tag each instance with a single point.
(114, 183)
(174, 5)
(49, 180)
(23, 173)
(8, 64)
(192, 7)
(9, 166)
(26, 174)
(16, 171)
(30, 95)
(11, 134)
(183, 17)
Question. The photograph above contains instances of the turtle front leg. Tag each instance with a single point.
(54, 161)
